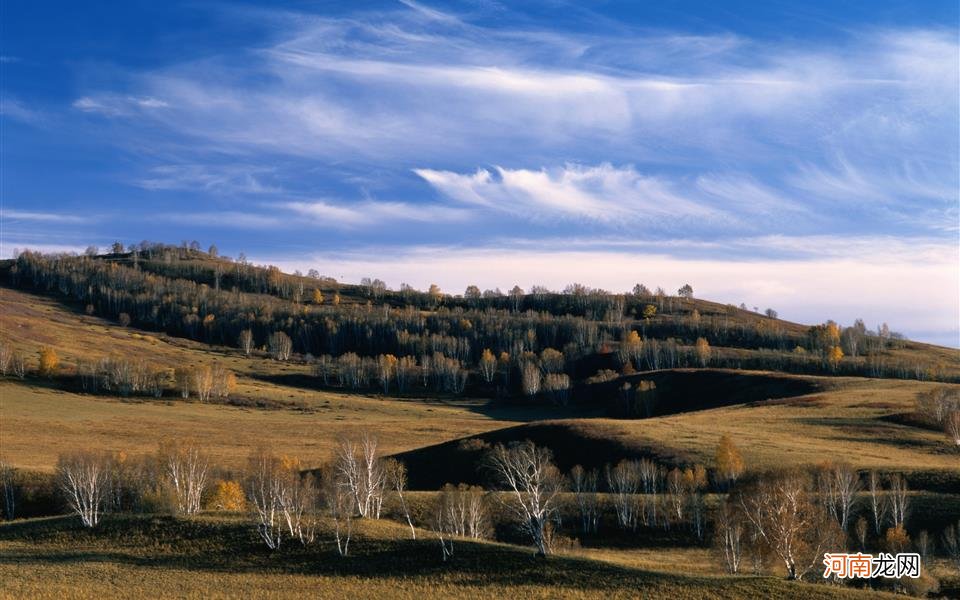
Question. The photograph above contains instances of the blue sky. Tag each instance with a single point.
(802, 156)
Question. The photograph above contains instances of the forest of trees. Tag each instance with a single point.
(519, 343)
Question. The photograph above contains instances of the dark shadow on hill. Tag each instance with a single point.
(686, 390)
(676, 391)
(585, 442)
(216, 546)
(881, 431)
(233, 547)
(593, 443)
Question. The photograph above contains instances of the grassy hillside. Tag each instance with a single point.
(219, 557)
(40, 420)
(184, 315)
(848, 420)
(777, 418)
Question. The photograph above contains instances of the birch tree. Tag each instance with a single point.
(583, 484)
(797, 530)
(186, 472)
(623, 481)
(280, 345)
(396, 473)
(951, 426)
(84, 479)
(297, 500)
(533, 483)
(8, 490)
(898, 500)
(877, 503)
(340, 504)
(359, 470)
(730, 536)
(264, 484)
(246, 341)
(488, 365)
(729, 461)
(838, 485)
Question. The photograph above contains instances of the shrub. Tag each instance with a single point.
(227, 495)
(49, 361)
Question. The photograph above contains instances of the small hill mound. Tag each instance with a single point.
(596, 442)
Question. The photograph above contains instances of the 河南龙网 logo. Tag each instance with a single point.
(869, 566)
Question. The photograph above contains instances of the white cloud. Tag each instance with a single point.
(431, 13)
(321, 214)
(602, 193)
(43, 217)
(220, 179)
(225, 219)
(393, 86)
(373, 212)
(113, 105)
(15, 109)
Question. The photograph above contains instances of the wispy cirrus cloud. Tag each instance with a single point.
(16, 215)
(603, 193)
(219, 179)
(373, 212)
(16, 109)
(423, 86)
(113, 105)
(328, 74)
(682, 146)
(321, 214)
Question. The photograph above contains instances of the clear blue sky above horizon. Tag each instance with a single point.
(797, 155)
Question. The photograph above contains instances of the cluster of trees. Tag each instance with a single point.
(122, 376)
(187, 293)
(642, 492)
(517, 343)
(126, 376)
(437, 372)
(205, 382)
(12, 362)
(786, 518)
(176, 478)
(940, 408)
(793, 516)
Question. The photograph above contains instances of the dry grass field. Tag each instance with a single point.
(219, 557)
(40, 421)
(849, 419)
(776, 419)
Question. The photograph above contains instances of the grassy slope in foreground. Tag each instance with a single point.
(219, 557)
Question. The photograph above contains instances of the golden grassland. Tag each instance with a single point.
(39, 421)
(847, 420)
(850, 421)
(219, 556)
(215, 556)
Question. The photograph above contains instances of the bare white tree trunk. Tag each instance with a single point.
(730, 530)
(877, 505)
(187, 473)
(898, 500)
(8, 490)
(534, 484)
(396, 475)
(84, 479)
(264, 487)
